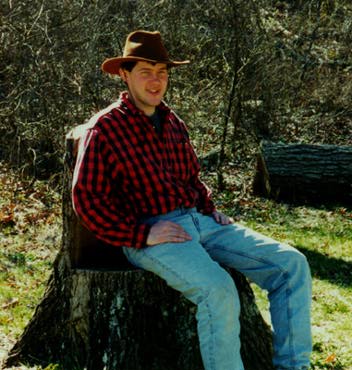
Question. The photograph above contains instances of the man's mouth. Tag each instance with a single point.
(154, 92)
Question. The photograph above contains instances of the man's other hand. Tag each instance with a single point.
(222, 219)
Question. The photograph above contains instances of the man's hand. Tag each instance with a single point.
(167, 232)
(222, 219)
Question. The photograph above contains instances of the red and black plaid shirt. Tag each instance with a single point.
(125, 172)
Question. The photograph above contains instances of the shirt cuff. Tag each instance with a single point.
(140, 236)
(207, 208)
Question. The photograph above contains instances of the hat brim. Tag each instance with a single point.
(112, 65)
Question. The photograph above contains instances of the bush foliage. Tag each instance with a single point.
(260, 69)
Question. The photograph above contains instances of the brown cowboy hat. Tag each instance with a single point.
(141, 46)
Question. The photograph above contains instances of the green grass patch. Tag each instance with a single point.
(30, 234)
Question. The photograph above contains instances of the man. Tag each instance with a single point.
(136, 186)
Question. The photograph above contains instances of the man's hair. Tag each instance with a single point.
(128, 66)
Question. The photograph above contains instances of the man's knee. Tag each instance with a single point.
(222, 288)
(298, 264)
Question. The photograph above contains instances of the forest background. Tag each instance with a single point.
(260, 69)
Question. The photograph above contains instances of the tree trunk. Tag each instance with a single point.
(99, 312)
(303, 173)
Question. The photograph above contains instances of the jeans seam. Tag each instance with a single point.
(288, 292)
(195, 222)
(211, 349)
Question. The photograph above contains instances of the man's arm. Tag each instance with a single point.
(92, 198)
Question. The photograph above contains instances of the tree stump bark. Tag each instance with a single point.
(303, 173)
(99, 312)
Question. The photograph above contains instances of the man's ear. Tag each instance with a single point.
(122, 74)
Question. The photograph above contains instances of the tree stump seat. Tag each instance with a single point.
(101, 313)
(131, 320)
(166, 325)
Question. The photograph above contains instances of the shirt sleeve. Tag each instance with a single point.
(92, 196)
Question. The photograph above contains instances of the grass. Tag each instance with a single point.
(30, 231)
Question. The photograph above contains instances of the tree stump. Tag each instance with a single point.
(99, 312)
(303, 173)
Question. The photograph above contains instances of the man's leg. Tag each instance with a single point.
(188, 268)
(282, 271)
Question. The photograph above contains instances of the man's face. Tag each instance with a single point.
(147, 84)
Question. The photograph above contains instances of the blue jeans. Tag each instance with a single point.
(193, 269)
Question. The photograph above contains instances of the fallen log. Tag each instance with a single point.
(304, 173)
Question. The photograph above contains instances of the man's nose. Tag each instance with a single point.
(155, 77)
